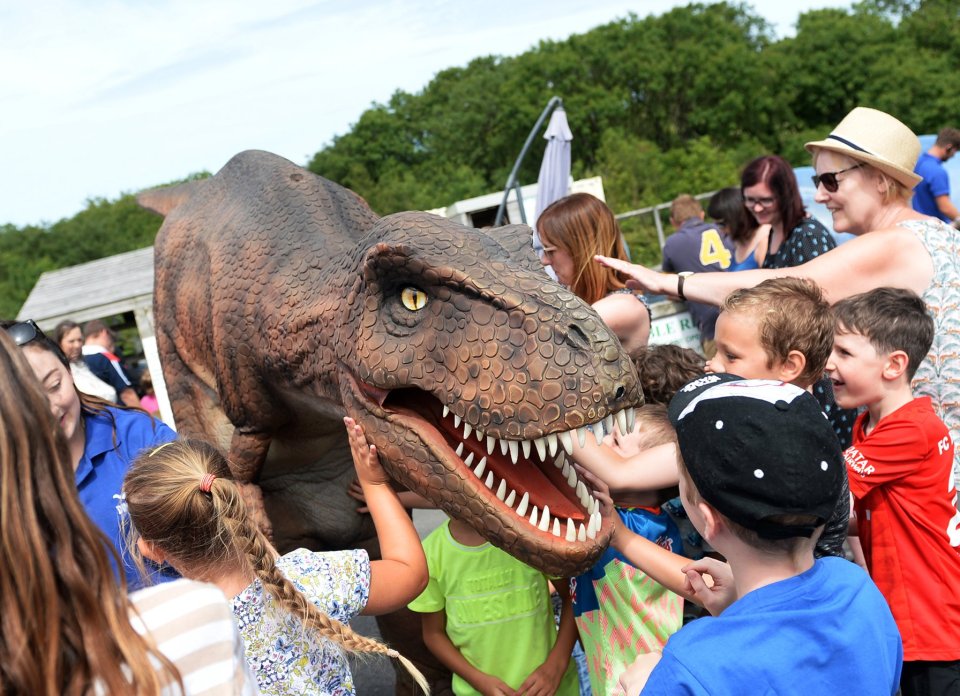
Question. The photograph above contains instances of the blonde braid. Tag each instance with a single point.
(258, 552)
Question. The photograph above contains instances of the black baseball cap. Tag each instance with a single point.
(759, 448)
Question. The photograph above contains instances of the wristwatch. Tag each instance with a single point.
(681, 277)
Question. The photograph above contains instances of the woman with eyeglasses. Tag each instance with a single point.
(772, 197)
(573, 230)
(68, 626)
(728, 212)
(102, 438)
(865, 179)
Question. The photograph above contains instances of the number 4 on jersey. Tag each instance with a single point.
(712, 250)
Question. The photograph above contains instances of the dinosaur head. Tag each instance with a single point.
(474, 374)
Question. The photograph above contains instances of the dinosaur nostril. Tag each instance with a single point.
(578, 338)
(620, 392)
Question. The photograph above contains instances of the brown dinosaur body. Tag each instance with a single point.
(282, 303)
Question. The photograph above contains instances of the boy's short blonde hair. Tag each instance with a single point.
(654, 424)
(792, 314)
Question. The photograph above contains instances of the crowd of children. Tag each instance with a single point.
(762, 480)
(800, 594)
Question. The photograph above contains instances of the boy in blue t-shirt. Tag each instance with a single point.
(760, 472)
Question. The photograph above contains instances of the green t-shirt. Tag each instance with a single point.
(498, 612)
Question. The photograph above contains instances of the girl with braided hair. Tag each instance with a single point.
(292, 609)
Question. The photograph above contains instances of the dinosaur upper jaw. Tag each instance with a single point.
(528, 486)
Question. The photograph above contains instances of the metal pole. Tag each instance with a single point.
(512, 179)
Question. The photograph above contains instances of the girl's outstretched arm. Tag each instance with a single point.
(665, 567)
(650, 470)
(401, 574)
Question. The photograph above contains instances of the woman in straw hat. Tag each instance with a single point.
(865, 178)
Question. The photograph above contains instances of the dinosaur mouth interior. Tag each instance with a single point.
(533, 479)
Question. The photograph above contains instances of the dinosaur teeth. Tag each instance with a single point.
(533, 516)
(552, 444)
(544, 519)
(491, 443)
(591, 528)
(446, 410)
(467, 429)
(571, 530)
(582, 533)
(572, 478)
(481, 467)
(469, 459)
(503, 447)
(622, 422)
(541, 445)
(566, 439)
(608, 423)
(479, 434)
(525, 445)
(514, 450)
(502, 490)
(459, 450)
(522, 507)
(631, 419)
(598, 432)
(556, 527)
(583, 495)
(489, 482)
(456, 421)
(511, 498)
(582, 436)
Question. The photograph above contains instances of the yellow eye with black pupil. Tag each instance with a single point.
(413, 299)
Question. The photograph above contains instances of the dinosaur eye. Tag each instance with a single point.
(413, 299)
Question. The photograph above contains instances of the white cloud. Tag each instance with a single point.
(105, 96)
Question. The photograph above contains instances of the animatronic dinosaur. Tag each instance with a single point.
(283, 303)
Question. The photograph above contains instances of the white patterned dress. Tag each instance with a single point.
(286, 659)
(939, 374)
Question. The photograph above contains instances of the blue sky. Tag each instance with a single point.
(102, 97)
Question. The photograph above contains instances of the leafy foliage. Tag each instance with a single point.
(658, 106)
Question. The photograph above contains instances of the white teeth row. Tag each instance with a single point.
(549, 444)
(541, 518)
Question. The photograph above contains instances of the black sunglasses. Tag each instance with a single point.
(829, 179)
(25, 331)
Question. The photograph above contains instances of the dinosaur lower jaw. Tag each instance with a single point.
(540, 489)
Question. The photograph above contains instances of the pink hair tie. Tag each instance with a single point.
(206, 482)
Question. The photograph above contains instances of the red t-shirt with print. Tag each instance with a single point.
(901, 476)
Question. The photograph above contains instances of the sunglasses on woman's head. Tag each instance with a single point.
(25, 331)
(829, 179)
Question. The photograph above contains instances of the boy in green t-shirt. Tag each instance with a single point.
(488, 618)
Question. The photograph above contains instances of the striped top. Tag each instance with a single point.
(192, 625)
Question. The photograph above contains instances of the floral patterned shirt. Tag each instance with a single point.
(286, 659)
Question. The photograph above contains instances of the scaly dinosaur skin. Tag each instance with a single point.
(283, 303)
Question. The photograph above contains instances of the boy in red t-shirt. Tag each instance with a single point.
(901, 476)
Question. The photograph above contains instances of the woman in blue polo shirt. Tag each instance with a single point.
(103, 439)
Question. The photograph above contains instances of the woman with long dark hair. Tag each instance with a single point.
(772, 197)
(102, 438)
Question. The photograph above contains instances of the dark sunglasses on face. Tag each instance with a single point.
(829, 179)
(25, 331)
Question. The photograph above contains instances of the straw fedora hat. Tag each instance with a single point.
(880, 140)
